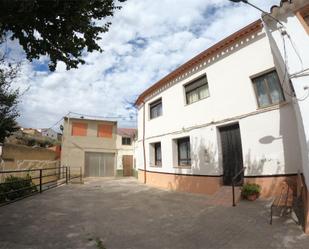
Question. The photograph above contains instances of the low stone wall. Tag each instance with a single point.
(14, 152)
(20, 157)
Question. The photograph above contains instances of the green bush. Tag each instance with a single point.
(13, 183)
(250, 189)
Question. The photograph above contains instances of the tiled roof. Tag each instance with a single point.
(130, 132)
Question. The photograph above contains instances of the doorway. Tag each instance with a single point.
(99, 164)
(127, 162)
(232, 159)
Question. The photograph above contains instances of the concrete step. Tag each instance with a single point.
(224, 196)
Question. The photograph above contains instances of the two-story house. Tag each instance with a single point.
(221, 111)
(289, 41)
(96, 147)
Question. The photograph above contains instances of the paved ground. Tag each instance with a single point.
(123, 214)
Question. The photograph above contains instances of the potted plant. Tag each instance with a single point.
(250, 191)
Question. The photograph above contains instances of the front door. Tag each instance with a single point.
(127, 162)
(231, 153)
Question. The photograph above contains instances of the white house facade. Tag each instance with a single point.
(289, 40)
(220, 112)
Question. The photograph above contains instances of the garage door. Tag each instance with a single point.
(99, 164)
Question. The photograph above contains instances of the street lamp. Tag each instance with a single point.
(264, 12)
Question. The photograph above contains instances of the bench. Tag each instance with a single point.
(288, 198)
(284, 202)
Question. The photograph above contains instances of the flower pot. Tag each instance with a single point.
(252, 197)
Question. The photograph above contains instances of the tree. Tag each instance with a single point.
(60, 29)
(8, 100)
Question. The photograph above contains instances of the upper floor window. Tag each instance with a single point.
(126, 141)
(184, 151)
(105, 130)
(79, 129)
(156, 109)
(303, 16)
(197, 90)
(268, 89)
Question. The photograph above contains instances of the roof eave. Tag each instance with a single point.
(253, 27)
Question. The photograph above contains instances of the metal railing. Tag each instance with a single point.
(235, 183)
(19, 184)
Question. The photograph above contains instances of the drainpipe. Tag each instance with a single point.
(1, 160)
(144, 151)
(68, 130)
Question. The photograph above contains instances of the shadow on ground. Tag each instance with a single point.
(121, 213)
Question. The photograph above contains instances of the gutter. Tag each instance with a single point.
(144, 151)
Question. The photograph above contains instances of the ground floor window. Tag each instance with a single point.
(184, 152)
(158, 158)
(155, 154)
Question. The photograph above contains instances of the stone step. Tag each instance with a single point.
(224, 196)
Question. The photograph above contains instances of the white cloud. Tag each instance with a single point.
(147, 40)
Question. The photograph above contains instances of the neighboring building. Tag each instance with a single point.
(290, 47)
(93, 146)
(31, 131)
(48, 132)
(125, 147)
(223, 110)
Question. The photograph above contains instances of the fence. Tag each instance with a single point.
(19, 184)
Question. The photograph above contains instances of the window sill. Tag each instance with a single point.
(154, 118)
(182, 167)
(186, 104)
(155, 166)
(274, 106)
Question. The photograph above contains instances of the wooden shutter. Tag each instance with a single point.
(105, 130)
(79, 129)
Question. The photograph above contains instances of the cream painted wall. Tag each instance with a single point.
(74, 147)
(264, 132)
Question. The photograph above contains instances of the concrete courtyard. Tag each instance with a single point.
(124, 214)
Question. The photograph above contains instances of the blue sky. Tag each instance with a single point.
(147, 40)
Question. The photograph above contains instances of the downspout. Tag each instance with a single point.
(144, 151)
(68, 132)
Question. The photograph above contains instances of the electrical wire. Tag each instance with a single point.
(305, 97)
(286, 75)
(296, 51)
(282, 33)
(124, 118)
